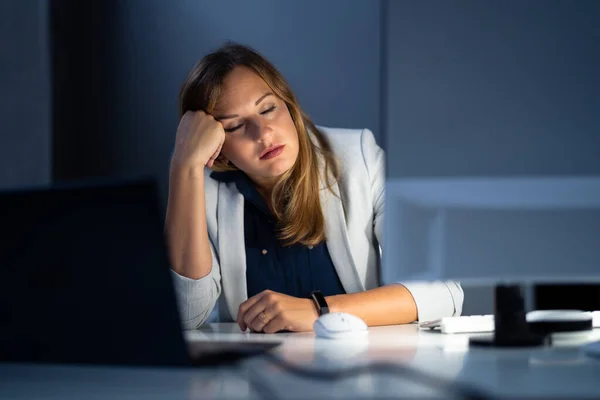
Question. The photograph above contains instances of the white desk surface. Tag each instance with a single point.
(559, 371)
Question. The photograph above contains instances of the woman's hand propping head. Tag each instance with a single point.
(199, 140)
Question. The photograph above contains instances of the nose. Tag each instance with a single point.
(261, 130)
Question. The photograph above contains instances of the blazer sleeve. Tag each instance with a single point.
(434, 300)
(196, 298)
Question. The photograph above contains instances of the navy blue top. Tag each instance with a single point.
(294, 270)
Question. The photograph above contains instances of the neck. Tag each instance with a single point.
(265, 194)
(265, 187)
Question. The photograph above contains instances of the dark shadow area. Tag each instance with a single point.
(84, 94)
(584, 296)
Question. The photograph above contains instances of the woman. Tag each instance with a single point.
(285, 215)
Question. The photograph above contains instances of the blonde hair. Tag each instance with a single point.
(295, 200)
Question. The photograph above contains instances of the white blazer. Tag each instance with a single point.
(353, 231)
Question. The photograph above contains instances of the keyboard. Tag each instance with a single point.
(462, 324)
(476, 323)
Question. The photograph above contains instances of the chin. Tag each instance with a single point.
(276, 170)
(275, 173)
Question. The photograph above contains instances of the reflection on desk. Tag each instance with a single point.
(541, 372)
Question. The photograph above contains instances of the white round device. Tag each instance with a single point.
(546, 322)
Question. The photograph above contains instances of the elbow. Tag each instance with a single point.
(195, 299)
(190, 325)
(195, 315)
(435, 300)
(195, 323)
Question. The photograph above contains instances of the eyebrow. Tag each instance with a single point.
(257, 102)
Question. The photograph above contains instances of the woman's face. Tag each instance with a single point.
(260, 136)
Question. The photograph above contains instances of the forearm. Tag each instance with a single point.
(185, 225)
(386, 305)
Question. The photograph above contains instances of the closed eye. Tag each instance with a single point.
(268, 110)
(235, 128)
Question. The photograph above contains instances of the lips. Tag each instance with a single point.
(271, 152)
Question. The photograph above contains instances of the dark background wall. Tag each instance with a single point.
(481, 87)
(85, 91)
(25, 105)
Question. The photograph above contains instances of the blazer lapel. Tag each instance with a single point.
(338, 243)
(232, 250)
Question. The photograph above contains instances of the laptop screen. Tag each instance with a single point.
(84, 277)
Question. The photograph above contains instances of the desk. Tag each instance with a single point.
(561, 371)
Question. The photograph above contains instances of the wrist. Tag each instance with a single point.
(313, 308)
(179, 170)
(333, 303)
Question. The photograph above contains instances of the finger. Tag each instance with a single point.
(218, 152)
(261, 320)
(253, 317)
(277, 324)
(213, 158)
(245, 306)
(265, 317)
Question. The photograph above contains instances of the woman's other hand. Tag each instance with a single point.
(271, 312)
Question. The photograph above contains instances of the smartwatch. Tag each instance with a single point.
(320, 303)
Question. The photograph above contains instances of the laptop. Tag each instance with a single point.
(84, 278)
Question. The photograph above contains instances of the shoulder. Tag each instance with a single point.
(341, 139)
(351, 145)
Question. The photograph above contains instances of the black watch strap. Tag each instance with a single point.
(320, 303)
